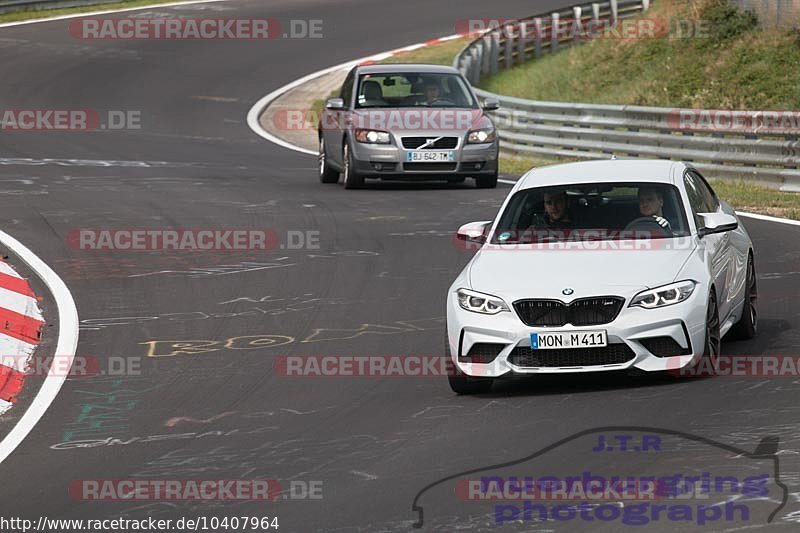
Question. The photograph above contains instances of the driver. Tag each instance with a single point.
(651, 204)
(432, 91)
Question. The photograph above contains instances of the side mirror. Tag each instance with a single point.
(334, 104)
(717, 223)
(491, 104)
(474, 231)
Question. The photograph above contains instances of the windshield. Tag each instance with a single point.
(597, 211)
(413, 89)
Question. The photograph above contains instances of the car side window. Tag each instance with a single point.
(710, 201)
(701, 197)
(693, 192)
(347, 88)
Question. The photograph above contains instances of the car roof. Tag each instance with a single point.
(406, 67)
(614, 170)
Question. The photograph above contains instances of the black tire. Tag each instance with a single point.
(461, 383)
(352, 179)
(708, 364)
(711, 348)
(327, 174)
(486, 182)
(747, 326)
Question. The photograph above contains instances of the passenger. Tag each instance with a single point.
(557, 212)
(554, 224)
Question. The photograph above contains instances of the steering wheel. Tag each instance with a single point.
(646, 223)
(440, 101)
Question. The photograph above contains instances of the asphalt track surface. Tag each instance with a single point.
(375, 287)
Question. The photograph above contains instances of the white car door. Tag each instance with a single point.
(716, 247)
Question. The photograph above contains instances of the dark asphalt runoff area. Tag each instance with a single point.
(216, 409)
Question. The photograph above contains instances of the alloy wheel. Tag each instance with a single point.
(712, 332)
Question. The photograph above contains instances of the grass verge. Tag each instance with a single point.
(437, 54)
(16, 16)
(745, 196)
(730, 63)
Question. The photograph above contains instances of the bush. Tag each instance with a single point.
(727, 22)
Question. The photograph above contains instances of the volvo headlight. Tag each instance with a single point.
(485, 135)
(372, 137)
(663, 296)
(477, 302)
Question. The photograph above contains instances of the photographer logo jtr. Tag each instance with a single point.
(660, 475)
(624, 443)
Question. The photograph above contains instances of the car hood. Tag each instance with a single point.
(539, 272)
(420, 120)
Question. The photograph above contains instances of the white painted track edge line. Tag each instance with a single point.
(255, 112)
(66, 345)
(768, 218)
(103, 12)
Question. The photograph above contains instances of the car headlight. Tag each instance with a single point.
(485, 135)
(372, 137)
(477, 302)
(663, 296)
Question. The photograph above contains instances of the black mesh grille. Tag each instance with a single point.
(429, 166)
(483, 352)
(613, 354)
(581, 312)
(445, 143)
(664, 347)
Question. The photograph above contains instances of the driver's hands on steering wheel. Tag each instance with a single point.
(648, 222)
(661, 221)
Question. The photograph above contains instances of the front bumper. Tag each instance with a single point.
(389, 161)
(684, 323)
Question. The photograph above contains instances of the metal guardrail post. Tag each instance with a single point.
(537, 43)
(522, 41)
(596, 14)
(466, 69)
(486, 53)
(555, 29)
(577, 25)
(494, 64)
(508, 52)
(645, 5)
(475, 64)
(614, 12)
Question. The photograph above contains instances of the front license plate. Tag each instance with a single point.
(569, 339)
(430, 156)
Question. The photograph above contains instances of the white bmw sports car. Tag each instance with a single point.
(600, 266)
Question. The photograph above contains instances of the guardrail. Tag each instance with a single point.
(7, 6)
(747, 145)
(516, 41)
